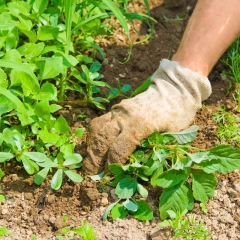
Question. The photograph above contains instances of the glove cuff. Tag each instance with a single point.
(195, 83)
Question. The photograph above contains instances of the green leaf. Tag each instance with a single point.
(67, 150)
(21, 110)
(118, 14)
(61, 126)
(73, 159)
(36, 156)
(126, 88)
(109, 208)
(156, 175)
(47, 92)
(142, 191)
(185, 136)
(229, 158)
(199, 156)
(126, 187)
(31, 50)
(48, 163)
(116, 169)
(39, 6)
(2, 174)
(46, 33)
(144, 212)
(172, 177)
(79, 132)
(50, 67)
(26, 68)
(41, 176)
(5, 231)
(42, 110)
(203, 185)
(175, 199)
(30, 166)
(2, 198)
(73, 176)
(57, 179)
(54, 108)
(95, 67)
(130, 206)
(5, 156)
(97, 177)
(86, 231)
(48, 137)
(118, 211)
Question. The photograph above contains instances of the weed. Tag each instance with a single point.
(185, 173)
(228, 126)
(68, 232)
(233, 62)
(186, 228)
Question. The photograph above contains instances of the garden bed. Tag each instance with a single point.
(30, 209)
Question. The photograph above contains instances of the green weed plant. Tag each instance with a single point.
(184, 173)
(228, 126)
(233, 63)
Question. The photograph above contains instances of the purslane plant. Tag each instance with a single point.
(185, 173)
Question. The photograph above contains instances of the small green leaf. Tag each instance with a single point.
(97, 177)
(36, 156)
(142, 191)
(126, 187)
(109, 208)
(4, 231)
(73, 176)
(54, 108)
(130, 206)
(126, 88)
(118, 211)
(73, 159)
(46, 33)
(86, 231)
(2, 198)
(57, 179)
(79, 132)
(30, 166)
(42, 110)
(185, 136)
(41, 176)
(2, 174)
(203, 185)
(116, 169)
(61, 125)
(5, 156)
(144, 212)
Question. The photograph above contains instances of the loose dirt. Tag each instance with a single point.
(30, 209)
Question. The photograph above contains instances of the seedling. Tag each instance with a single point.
(68, 232)
(228, 126)
(185, 173)
(186, 228)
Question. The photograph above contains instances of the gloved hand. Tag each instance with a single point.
(169, 104)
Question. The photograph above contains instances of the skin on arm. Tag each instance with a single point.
(213, 26)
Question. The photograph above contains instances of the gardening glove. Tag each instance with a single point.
(169, 104)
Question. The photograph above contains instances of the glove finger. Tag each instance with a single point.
(122, 147)
(101, 133)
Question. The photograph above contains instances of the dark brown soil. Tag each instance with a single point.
(30, 209)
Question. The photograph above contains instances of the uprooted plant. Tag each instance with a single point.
(185, 173)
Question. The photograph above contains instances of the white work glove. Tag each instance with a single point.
(169, 104)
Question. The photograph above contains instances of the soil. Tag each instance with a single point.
(31, 209)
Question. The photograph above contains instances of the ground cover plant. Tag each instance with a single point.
(185, 173)
(42, 58)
